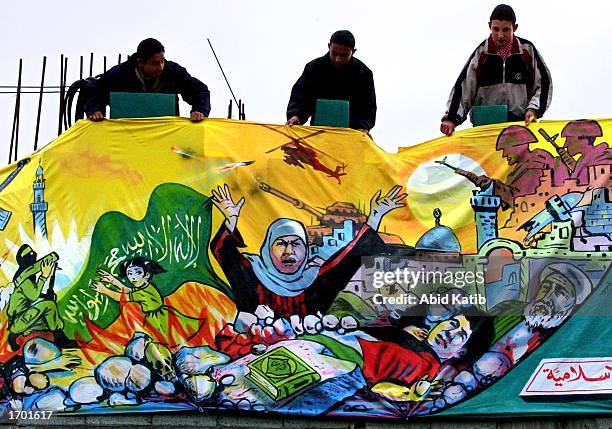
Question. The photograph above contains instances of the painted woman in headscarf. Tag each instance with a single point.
(162, 322)
(282, 276)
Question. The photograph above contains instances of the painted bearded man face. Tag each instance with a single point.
(554, 301)
(288, 253)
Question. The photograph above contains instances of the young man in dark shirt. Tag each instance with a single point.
(147, 71)
(337, 75)
(503, 70)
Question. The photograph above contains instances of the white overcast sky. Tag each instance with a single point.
(416, 49)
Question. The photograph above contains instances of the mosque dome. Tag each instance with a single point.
(440, 238)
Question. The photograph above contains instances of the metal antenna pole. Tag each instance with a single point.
(63, 93)
(119, 61)
(15, 131)
(40, 98)
(104, 68)
(222, 72)
(229, 109)
(59, 121)
(91, 65)
(81, 67)
(17, 126)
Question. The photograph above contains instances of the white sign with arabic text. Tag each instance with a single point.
(575, 376)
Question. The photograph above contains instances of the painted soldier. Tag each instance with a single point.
(528, 166)
(29, 309)
(580, 140)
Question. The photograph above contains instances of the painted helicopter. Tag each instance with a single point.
(299, 153)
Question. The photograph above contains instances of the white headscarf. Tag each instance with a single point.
(265, 271)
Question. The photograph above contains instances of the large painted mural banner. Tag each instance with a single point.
(162, 265)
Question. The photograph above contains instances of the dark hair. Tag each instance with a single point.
(149, 266)
(503, 12)
(481, 338)
(344, 38)
(147, 48)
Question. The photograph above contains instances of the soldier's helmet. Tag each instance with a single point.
(515, 135)
(25, 254)
(583, 128)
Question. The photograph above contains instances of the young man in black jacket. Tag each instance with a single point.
(147, 71)
(337, 75)
(504, 69)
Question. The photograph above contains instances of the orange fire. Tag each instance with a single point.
(193, 299)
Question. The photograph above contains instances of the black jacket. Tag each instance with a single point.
(353, 82)
(174, 79)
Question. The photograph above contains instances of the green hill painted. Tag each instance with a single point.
(175, 231)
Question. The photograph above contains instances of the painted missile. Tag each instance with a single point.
(558, 208)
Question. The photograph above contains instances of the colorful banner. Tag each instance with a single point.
(162, 265)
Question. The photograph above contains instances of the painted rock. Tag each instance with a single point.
(491, 366)
(454, 393)
(112, 373)
(138, 379)
(85, 390)
(200, 387)
(244, 321)
(467, 380)
(165, 388)
(197, 360)
(136, 347)
(312, 324)
(117, 399)
(330, 322)
(38, 350)
(349, 323)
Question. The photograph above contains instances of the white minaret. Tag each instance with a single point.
(39, 207)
